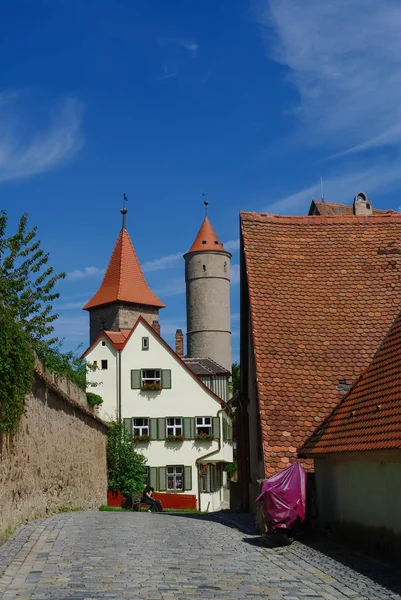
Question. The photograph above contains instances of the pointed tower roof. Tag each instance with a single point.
(206, 239)
(124, 280)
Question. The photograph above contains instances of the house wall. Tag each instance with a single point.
(361, 493)
(106, 380)
(186, 398)
(54, 461)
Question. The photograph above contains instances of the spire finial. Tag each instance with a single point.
(206, 203)
(321, 189)
(124, 211)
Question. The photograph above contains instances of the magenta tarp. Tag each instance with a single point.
(283, 497)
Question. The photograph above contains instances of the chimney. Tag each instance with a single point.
(156, 326)
(362, 206)
(179, 343)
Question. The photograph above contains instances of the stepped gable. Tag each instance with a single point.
(323, 292)
(124, 280)
(369, 417)
(206, 239)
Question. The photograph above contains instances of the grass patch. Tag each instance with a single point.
(104, 508)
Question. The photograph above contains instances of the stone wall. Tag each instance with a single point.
(119, 315)
(56, 460)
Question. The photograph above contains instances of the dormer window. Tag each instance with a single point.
(145, 343)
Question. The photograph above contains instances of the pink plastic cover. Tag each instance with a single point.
(283, 497)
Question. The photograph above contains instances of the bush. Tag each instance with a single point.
(94, 399)
(126, 468)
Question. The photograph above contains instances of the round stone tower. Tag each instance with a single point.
(207, 278)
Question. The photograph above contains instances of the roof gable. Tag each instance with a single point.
(124, 280)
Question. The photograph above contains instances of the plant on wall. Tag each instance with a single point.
(16, 370)
(94, 399)
(126, 468)
(175, 438)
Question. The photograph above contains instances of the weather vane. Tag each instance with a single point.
(206, 203)
(124, 210)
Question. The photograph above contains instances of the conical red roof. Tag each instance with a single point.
(206, 239)
(124, 280)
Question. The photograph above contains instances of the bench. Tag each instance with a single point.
(137, 505)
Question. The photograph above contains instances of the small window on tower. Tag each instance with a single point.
(104, 365)
(145, 343)
(203, 241)
(204, 267)
(225, 267)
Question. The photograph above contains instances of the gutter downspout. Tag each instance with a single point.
(207, 456)
(119, 386)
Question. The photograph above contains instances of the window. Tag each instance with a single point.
(103, 343)
(203, 425)
(145, 343)
(174, 426)
(140, 426)
(204, 267)
(151, 377)
(175, 478)
(95, 363)
(104, 364)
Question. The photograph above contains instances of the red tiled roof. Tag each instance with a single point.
(369, 417)
(332, 208)
(206, 239)
(323, 292)
(124, 280)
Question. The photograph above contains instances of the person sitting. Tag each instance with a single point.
(147, 498)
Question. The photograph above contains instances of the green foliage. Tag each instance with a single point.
(27, 283)
(16, 370)
(236, 373)
(231, 468)
(125, 467)
(94, 399)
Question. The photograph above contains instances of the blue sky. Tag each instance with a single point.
(251, 102)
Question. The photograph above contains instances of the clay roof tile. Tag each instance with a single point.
(206, 239)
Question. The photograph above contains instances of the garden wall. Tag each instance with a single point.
(56, 460)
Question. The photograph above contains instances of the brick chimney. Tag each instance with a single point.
(362, 206)
(156, 326)
(179, 343)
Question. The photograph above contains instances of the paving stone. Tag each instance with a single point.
(103, 556)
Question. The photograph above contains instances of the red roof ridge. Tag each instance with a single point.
(124, 280)
(319, 219)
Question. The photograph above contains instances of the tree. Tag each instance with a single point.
(236, 373)
(27, 283)
(126, 468)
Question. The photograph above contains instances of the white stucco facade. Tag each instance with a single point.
(362, 489)
(145, 359)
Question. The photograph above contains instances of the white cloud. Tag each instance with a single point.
(231, 245)
(86, 272)
(344, 59)
(44, 150)
(174, 288)
(161, 263)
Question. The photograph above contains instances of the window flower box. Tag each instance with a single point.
(141, 439)
(204, 437)
(175, 438)
(151, 387)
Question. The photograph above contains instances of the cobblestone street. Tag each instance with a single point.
(95, 555)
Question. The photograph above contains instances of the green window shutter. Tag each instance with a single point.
(128, 425)
(135, 379)
(187, 478)
(166, 379)
(161, 428)
(153, 429)
(188, 428)
(153, 477)
(216, 428)
(162, 479)
(224, 430)
(193, 428)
